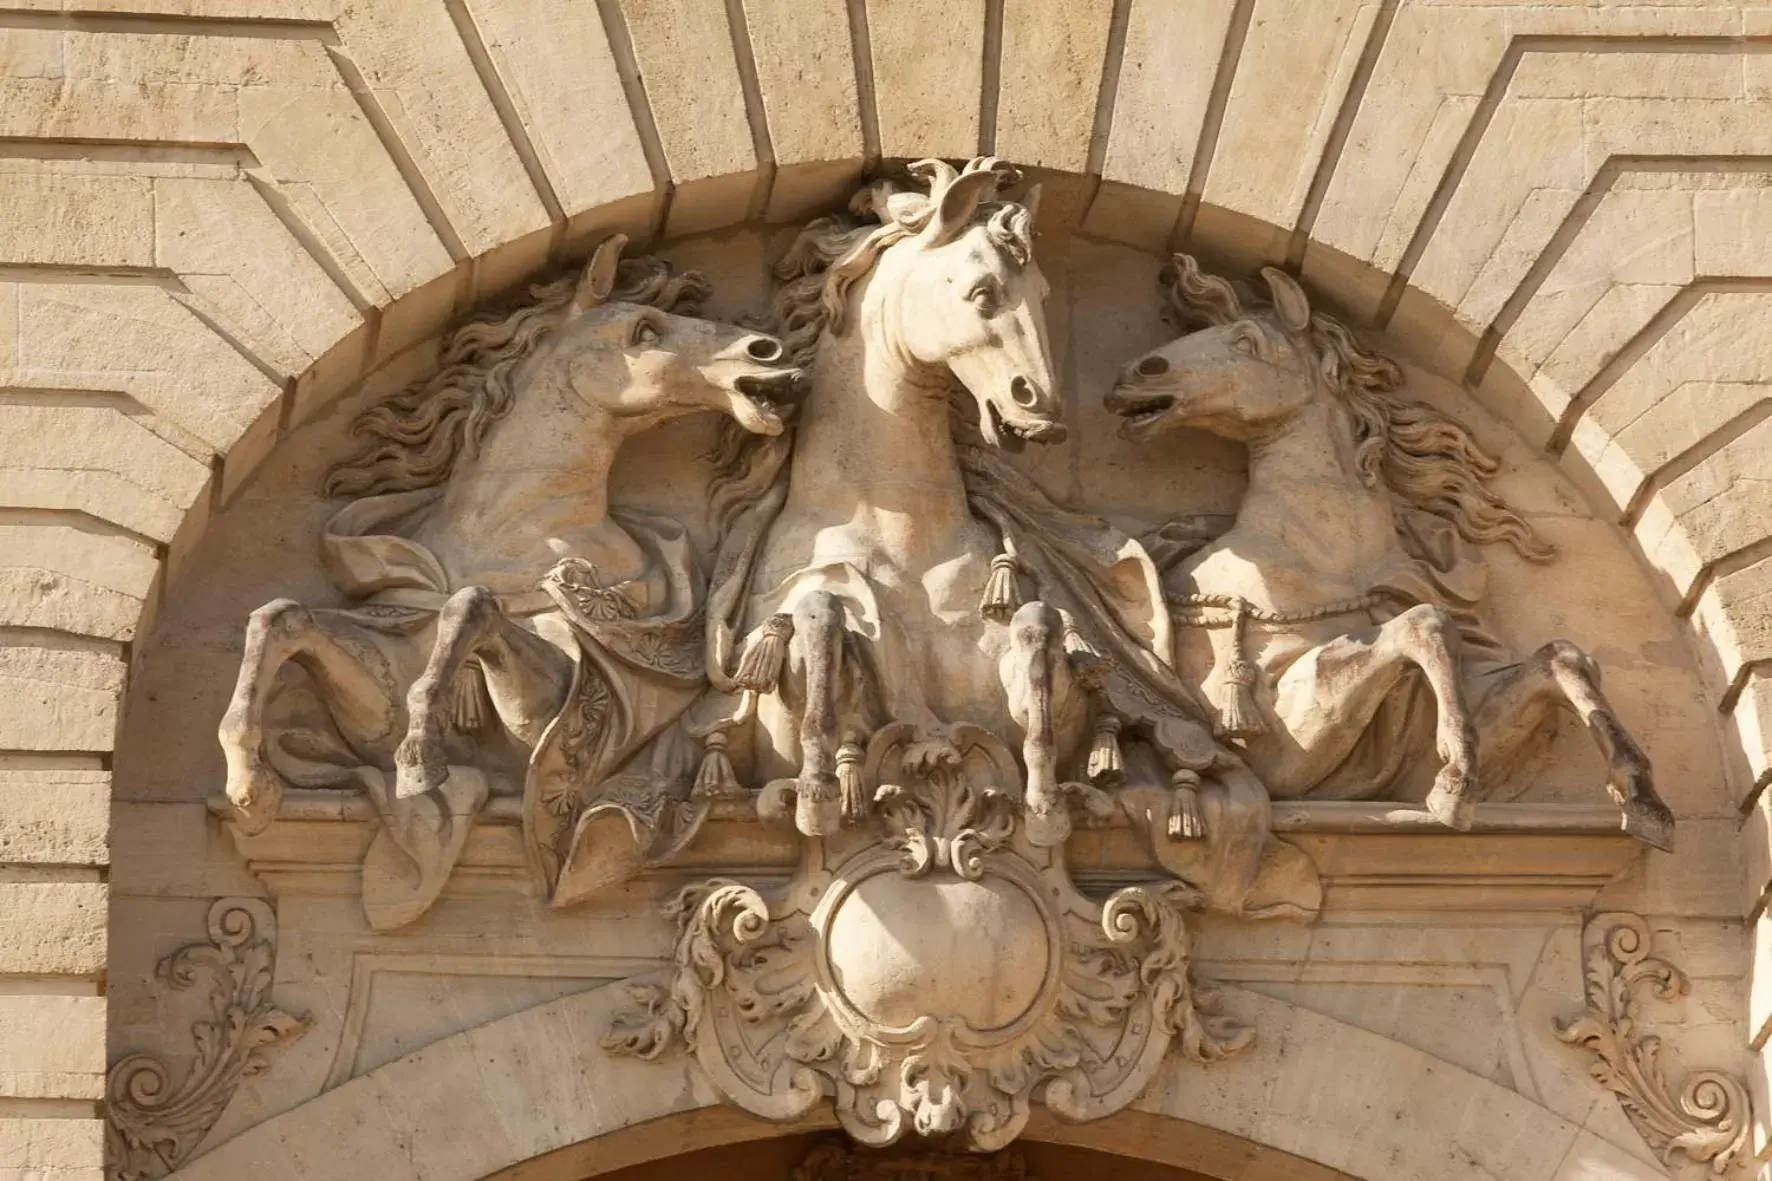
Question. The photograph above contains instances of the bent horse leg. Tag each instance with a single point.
(1326, 700)
(1428, 636)
(526, 676)
(1561, 675)
(1041, 688)
(356, 686)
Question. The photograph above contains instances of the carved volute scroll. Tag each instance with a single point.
(155, 1121)
(931, 970)
(1708, 1116)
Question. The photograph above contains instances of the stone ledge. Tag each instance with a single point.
(1373, 856)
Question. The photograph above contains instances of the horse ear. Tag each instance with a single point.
(599, 277)
(958, 202)
(1031, 203)
(1289, 299)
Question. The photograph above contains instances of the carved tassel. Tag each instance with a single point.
(1185, 823)
(1106, 767)
(1002, 591)
(849, 781)
(759, 669)
(715, 778)
(467, 711)
(1238, 714)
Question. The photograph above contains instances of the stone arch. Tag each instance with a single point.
(193, 265)
(1316, 1098)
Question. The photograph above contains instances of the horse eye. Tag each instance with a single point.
(983, 296)
(645, 332)
(1243, 342)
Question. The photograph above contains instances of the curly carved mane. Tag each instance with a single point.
(413, 439)
(1425, 459)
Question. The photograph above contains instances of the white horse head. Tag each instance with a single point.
(610, 344)
(949, 285)
(1243, 376)
(642, 365)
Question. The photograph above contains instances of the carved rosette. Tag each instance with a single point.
(155, 1124)
(932, 971)
(1707, 1117)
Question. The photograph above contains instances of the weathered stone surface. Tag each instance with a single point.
(53, 1149)
(1049, 81)
(52, 1047)
(50, 816)
(52, 928)
(57, 698)
(553, 57)
(928, 73)
(685, 51)
(1294, 70)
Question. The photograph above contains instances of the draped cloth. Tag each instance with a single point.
(1111, 591)
(606, 789)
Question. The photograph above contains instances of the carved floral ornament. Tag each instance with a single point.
(868, 978)
(932, 698)
(1708, 1116)
(155, 1122)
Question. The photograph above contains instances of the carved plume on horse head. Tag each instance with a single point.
(1421, 456)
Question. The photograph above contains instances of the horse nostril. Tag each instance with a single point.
(764, 348)
(1153, 366)
(1023, 393)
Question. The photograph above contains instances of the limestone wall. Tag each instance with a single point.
(218, 216)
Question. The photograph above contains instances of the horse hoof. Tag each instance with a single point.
(1650, 821)
(818, 805)
(256, 794)
(415, 772)
(1453, 802)
(1048, 829)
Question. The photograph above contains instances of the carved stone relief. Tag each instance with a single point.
(867, 979)
(1352, 560)
(155, 1122)
(1708, 1116)
(890, 641)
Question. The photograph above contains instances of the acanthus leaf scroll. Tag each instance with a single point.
(154, 1122)
(1708, 1117)
(865, 979)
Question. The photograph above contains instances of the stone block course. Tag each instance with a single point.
(51, 816)
(53, 926)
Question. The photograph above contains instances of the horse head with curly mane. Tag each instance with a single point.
(1350, 577)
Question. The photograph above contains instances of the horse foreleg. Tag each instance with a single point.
(527, 678)
(1327, 698)
(1043, 692)
(1428, 636)
(819, 641)
(1560, 675)
(356, 686)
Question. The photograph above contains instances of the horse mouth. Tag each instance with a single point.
(1013, 436)
(772, 395)
(1140, 413)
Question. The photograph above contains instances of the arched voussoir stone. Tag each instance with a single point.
(533, 1096)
